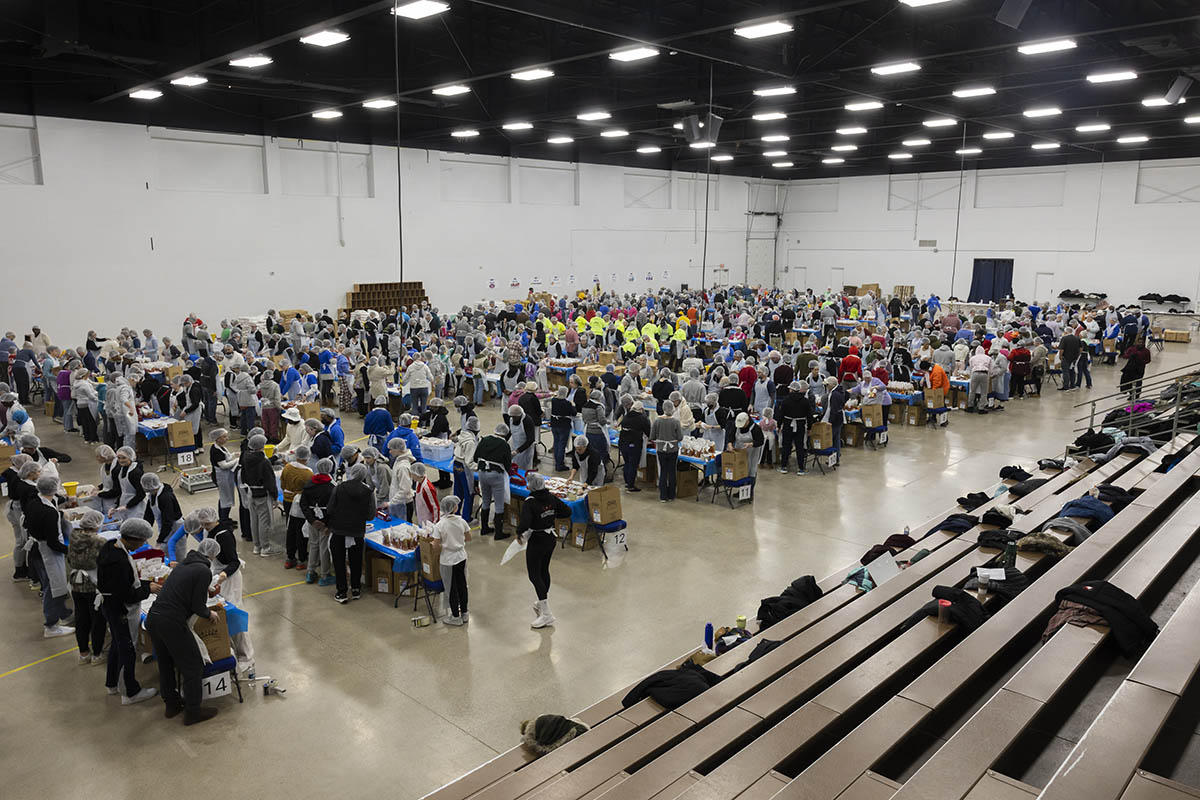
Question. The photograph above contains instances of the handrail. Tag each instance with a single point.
(1157, 380)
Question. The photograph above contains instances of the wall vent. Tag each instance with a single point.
(927, 243)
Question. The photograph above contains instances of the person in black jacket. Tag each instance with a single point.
(123, 593)
(207, 368)
(47, 560)
(182, 595)
(350, 508)
(494, 456)
(635, 429)
(538, 513)
(262, 490)
(162, 507)
(795, 415)
(439, 419)
(17, 492)
(322, 442)
(562, 415)
(530, 403)
(835, 406)
(313, 500)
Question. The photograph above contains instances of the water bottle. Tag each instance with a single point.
(1010, 554)
(708, 637)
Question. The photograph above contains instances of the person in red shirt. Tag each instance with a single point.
(935, 378)
(747, 375)
(1020, 366)
(851, 364)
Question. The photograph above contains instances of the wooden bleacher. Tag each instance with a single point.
(851, 684)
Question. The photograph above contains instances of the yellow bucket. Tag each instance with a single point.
(70, 487)
(269, 450)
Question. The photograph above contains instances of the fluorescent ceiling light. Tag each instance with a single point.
(649, 150)
(464, 133)
(190, 80)
(864, 105)
(774, 153)
(999, 135)
(776, 137)
(896, 69)
(325, 38)
(1111, 77)
(250, 62)
(782, 164)
(723, 157)
(559, 140)
(1136, 139)
(768, 116)
(328, 113)
(1046, 146)
(851, 131)
(420, 9)
(1095, 127)
(146, 94)
(923, 3)
(614, 133)
(759, 30)
(382, 102)
(833, 161)
(775, 91)
(844, 148)
(915, 142)
(535, 74)
(1053, 46)
(1049, 111)
(702, 145)
(593, 116)
(974, 91)
(1154, 102)
(969, 151)
(633, 54)
(939, 122)
(517, 126)
(1192, 120)
(452, 90)
(899, 156)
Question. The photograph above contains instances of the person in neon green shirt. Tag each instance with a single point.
(629, 348)
(854, 312)
(650, 329)
(598, 325)
(631, 332)
(581, 323)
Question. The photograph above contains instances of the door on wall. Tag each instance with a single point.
(1043, 287)
(797, 276)
(837, 278)
(760, 262)
(991, 280)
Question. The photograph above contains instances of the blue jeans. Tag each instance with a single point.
(419, 399)
(667, 462)
(561, 437)
(68, 415)
(247, 419)
(480, 384)
(53, 608)
(462, 491)
(1082, 373)
(631, 457)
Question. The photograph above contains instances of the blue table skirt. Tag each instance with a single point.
(402, 560)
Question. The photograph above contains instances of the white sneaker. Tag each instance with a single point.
(255, 550)
(112, 689)
(54, 631)
(145, 694)
(543, 621)
(267, 553)
(466, 617)
(85, 658)
(456, 621)
(101, 659)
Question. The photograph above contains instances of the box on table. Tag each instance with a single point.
(607, 357)
(896, 413)
(873, 416)
(735, 465)
(582, 537)
(915, 415)
(604, 504)
(431, 554)
(179, 434)
(309, 410)
(1110, 345)
(821, 436)
(687, 481)
(852, 434)
(215, 635)
(935, 398)
(7, 451)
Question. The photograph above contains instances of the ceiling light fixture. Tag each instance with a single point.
(899, 156)
(452, 90)
(535, 74)
(776, 137)
(1155, 102)
(774, 153)
(250, 62)
(770, 116)
(723, 157)
(1049, 111)
(464, 133)
(1192, 120)
(775, 91)
(969, 151)
(190, 80)
(844, 148)
(146, 94)
(633, 54)
(923, 3)
(614, 133)
(328, 113)
(851, 131)
(325, 38)
(864, 105)
(939, 122)
(517, 126)
(1135, 139)
(1052, 46)
(1047, 146)
(1111, 77)
(761, 29)
(1094, 127)
(702, 145)
(974, 91)
(896, 69)
(649, 150)
(420, 9)
(915, 142)
(382, 102)
(593, 116)
(999, 135)
(833, 161)
(559, 140)
(782, 164)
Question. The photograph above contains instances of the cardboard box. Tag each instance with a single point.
(382, 580)
(935, 398)
(852, 434)
(915, 415)
(873, 416)
(821, 436)
(49, 408)
(582, 537)
(607, 357)
(431, 553)
(604, 504)
(173, 371)
(562, 528)
(790, 336)
(309, 410)
(1110, 345)
(649, 473)
(179, 434)
(896, 413)
(687, 482)
(512, 514)
(1177, 336)
(7, 451)
(735, 465)
(215, 635)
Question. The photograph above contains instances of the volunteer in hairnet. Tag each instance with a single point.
(47, 556)
(227, 567)
(493, 455)
(183, 595)
(122, 594)
(538, 514)
(128, 478)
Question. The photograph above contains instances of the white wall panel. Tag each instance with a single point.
(691, 191)
(1036, 188)
(1175, 183)
(548, 185)
(647, 189)
(310, 169)
(813, 197)
(20, 164)
(196, 165)
(921, 192)
(477, 179)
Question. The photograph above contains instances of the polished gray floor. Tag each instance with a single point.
(378, 706)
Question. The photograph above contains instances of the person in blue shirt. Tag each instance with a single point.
(1033, 313)
(378, 425)
(188, 526)
(405, 433)
(932, 303)
(333, 426)
(289, 381)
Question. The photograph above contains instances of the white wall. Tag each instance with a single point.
(1123, 228)
(107, 225)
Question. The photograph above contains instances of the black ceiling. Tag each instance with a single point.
(81, 58)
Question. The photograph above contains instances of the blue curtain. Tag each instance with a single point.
(991, 280)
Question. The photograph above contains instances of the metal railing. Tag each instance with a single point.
(1178, 407)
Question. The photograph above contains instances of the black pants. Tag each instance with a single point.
(457, 593)
(537, 561)
(792, 439)
(175, 648)
(88, 423)
(121, 658)
(297, 542)
(4, 372)
(244, 519)
(89, 623)
(1038, 373)
(631, 456)
(340, 553)
(667, 464)
(20, 377)
(1018, 385)
(110, 432)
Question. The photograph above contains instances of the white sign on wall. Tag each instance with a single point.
(491, 283)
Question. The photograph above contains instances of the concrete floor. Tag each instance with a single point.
(376, 704)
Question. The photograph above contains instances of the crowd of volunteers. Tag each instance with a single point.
(738, 368)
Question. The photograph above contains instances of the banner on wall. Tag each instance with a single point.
(571, 279)
(515, 282)
(554, 280)
(491, 283)
(537, 280)
(666, 275)
(631, 278)
(649, 276)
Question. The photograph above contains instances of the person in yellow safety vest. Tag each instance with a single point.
(629, 348)
(598, 323)
(581, 323)
(683, 323)
(560, 328)
(650, 330)
(631, 332)
(620, 323)
(854, 312)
